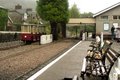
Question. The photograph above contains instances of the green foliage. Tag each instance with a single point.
(47, 29)
(75, 30)
(90, 28)
(34, 21)
(74, 12)
(53, 10)
(3, 18)
(86, 15)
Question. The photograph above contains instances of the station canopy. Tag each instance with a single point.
(81, 21)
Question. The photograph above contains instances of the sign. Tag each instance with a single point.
(106, 26)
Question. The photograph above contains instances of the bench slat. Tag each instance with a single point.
(109, 58)
(115, 53)
(102, 68)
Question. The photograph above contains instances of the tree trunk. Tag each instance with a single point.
(63, 25)
(54, 30)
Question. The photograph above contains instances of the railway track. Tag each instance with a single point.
(21, 52)
(12, 44)
(19, 61)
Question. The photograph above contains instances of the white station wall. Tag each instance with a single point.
(46, 39)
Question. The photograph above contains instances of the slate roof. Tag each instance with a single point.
(15, 16)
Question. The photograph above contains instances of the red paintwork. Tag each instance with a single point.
(29, 37)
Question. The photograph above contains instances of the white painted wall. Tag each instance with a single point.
(46, 39)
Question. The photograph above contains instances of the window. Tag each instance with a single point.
(106, 26)
(104, 17)
(116, 17)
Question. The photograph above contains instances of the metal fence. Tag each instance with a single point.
(8, 37)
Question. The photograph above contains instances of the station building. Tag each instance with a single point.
(102, 20)
(106, 18)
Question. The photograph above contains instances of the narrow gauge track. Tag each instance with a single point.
(10, 45)
(13, 44)
(15, 64)
(22, 52)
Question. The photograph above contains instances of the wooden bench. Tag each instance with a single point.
(98, 53)
(94, 45)
(91, 56)
(99, 68)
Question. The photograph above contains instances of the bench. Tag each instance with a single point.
(98, 68)
(95, 45)
(91, 55)
(98, 53)
(94, 55)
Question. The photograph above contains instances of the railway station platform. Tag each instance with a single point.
(67, 65)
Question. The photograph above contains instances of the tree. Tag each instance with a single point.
(74, 12)
(86, 15)
(54, 11)
(65, 13)
(3, 18)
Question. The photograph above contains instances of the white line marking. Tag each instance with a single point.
(33, 77)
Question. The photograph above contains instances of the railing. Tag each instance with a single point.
(8, 37)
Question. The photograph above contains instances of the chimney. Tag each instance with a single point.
(18, 6)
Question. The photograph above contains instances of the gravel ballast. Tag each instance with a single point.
(21, 60)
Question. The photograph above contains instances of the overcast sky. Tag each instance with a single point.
(83, 5)
(92, 5)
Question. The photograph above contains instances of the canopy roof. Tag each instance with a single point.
(81, 21)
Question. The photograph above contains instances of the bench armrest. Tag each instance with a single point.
(84, 65)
